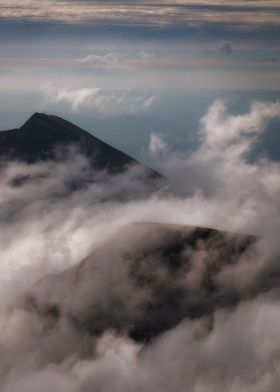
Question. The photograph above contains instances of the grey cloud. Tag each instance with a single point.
(271, 60)
(226, 48)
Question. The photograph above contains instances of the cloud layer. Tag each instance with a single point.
(143, 12)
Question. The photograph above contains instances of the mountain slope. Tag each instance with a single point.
(144, 280)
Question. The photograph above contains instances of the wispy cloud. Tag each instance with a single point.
(108, 59)
(143, 12)
(97, 100)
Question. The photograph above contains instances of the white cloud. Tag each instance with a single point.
(157, 144)
(106, 60)
(100, 101)
(220, 170)
(219, 129)
(145, 55)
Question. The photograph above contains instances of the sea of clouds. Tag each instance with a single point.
(47, 228)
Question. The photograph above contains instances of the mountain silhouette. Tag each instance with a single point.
(40, 137)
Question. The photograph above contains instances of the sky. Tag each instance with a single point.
(92, 60)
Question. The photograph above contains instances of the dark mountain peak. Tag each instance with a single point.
(36, 118)
(41, 122)
(38, 115)
(42, 134)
